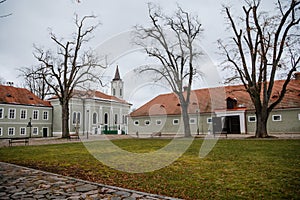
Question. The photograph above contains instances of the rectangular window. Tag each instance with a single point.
(299, 116)
(11, 131)
(22, 131)
(251, 118)
(209, 120)
(1, 113)
(136, 122)
(35, 115)
(35, 131)
(12, 113)
(147, 122)
(23, 114)
(45, 115)
(1, 132)
(192, 121)
(276, 118)
(158, 122)
(175, 121)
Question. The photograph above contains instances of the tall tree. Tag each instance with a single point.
(172, 41)
(35, 82)
(263, 46)
(69, 67)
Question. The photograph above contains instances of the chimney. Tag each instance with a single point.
(297, 75)
(185, 88)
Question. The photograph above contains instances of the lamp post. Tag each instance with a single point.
(88, 126)
(29, 125)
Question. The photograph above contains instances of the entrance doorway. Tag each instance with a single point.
(232, 124)
(45, 132)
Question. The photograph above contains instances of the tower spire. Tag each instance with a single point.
(117, 75)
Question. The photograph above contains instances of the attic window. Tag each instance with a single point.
(162, 106)
(31, 98)
(178, 104)
(8, 95)
(274, 96)
(231, 103)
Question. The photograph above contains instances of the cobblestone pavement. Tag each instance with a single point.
(18, 182)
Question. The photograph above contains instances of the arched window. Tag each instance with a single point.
(94, 118)
(116, 119)
(105, 118)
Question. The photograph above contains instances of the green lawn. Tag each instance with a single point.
(234, 169)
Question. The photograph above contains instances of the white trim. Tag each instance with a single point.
(192, 121)
(37, 117)
(147, 122)
(1, 117)
(251, 116)
(1, 131)
(174, 121)
(209, 120)
(22, 123)
(13, 112)
(45, 111)
(37, 130)
(276, 120)
(21, 114)
(136, 122)
(13, 128)
(21, 130)
(298, 116)
(240, 113)
(27, 106)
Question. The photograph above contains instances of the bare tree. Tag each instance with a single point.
(69, 67)
(5, 15)
(263, 46)
(172, 41)
(35, 82)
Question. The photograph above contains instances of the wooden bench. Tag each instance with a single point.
(18, 140)
(74, 136)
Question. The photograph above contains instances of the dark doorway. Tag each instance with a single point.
(45, 132)
(232, 125)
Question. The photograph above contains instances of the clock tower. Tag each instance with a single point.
(117, 85)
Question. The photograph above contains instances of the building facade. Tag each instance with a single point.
(93, 112)
(23, 114)
(230, 106)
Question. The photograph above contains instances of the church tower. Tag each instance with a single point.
(117, 85)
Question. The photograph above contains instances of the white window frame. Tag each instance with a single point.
(158, 122)
(9, 129)
(136, 122)
(14, 113)
(22, 128)
(147, 122)
(276, 120)
(47, 115)
(249, 118)
(209, 120)
(2, 113)
(23, 110)
(37, 131)
(1, 131)
(94, 120)
(299, 116)
(175, 123)
(192, 120)
(37, 115)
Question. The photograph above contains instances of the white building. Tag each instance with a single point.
(94, 112)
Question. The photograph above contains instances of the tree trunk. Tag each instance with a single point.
(186, 120)
(261, 124)
(65, 120)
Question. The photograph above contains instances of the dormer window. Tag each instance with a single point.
(231, 103)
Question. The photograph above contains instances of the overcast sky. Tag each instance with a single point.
(31, 20)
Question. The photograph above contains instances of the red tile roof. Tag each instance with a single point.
(20, 96)
(210, 99)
